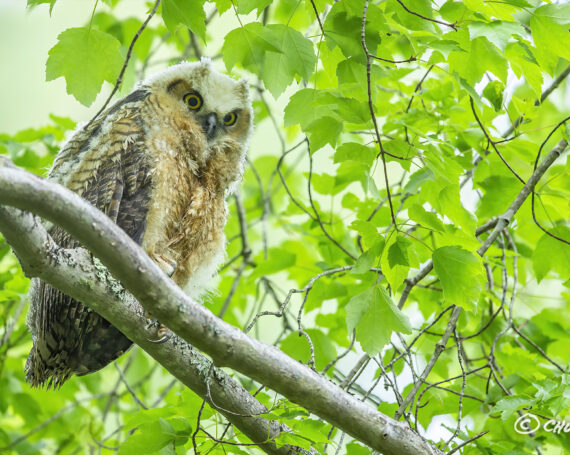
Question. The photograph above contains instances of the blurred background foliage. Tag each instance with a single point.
(318, 215)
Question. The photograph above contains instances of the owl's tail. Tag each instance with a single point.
(45, 369)
(68, 338)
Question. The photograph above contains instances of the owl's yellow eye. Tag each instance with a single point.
(193, 100)
(230, 119)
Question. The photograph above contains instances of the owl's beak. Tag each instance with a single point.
(209, 124)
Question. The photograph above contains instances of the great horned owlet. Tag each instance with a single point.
(159, 163)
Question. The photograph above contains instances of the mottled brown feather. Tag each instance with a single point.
(72, 339)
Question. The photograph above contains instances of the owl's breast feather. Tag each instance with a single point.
(185, 220)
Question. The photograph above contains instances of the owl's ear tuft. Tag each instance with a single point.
(243, 88)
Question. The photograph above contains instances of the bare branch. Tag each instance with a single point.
(464, 443)
(453, 26)
(371, 108)
(439, 347)
(493, 144)
(318, 17)
(501, 221)
(533, 193)
(506, 218)
(227, 345)
(127, 59)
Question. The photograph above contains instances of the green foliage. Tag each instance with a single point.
(374, 317)
(86, 58)
(460, 273)
(277, 52)
(189, 13)
(34, 3)
(325, 254)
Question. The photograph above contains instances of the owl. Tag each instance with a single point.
(159, 163)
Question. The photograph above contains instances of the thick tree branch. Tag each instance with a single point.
(226, 344)
(75, 273)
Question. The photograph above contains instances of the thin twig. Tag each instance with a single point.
(375, 57)
(453, 26)
(462, 392)
(439, 347)
(470, 440)
(318, 17)
(533, 192)
(493, 142)
(316, 211)
(127, 59)
(340, 356)
(371, 108)
(129, 388)
(305, 290)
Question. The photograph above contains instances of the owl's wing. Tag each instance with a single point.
(113, 174)
(117, 181)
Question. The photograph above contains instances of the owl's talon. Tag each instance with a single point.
(164, 339)
(163, 335)
(166, 264)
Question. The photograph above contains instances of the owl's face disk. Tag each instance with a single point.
(216, 107)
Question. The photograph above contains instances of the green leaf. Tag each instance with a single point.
(189, 13)
(247, 45)
(306, 106)
(278, 259)
(278, 52)
(374, 316)
(296, 47)
(86, 58)
(369, 258)
(343, 27)
(493, 91)
(325, 130)
(427, 219)
(411, 21)
(398, 252)
(64, 122)
(298, 57)
(148, 438)
(483, 56)
(559, 14)
(352, 151)
(34, 3)
(497, 32)
(552, 254)
(461, 275)
(276, 80)
(148, 416)
(417, 179)
(509, 405)
(451, 206)
(247, 6)
(522, 62)
(499, 192)
(551, 40)
(223, 5)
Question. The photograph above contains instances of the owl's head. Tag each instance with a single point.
(210, 112)
(218, 104)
